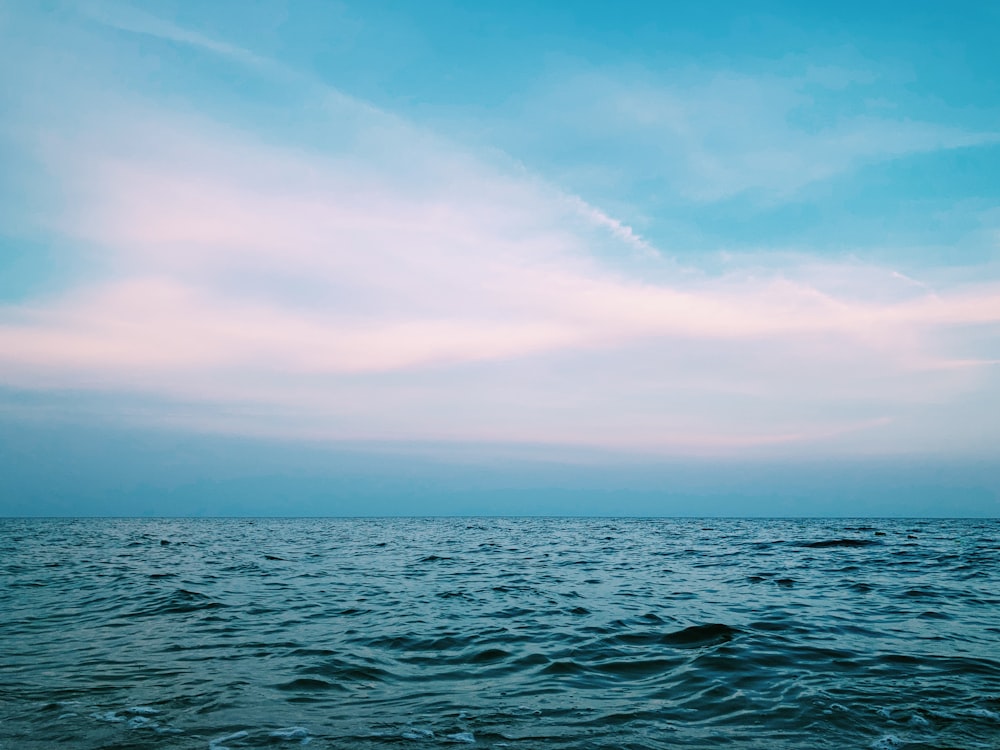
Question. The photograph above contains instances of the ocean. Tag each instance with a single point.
(523, 633)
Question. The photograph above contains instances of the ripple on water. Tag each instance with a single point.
(546, 634)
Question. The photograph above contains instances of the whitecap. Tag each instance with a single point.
(216, 744)
(111, 716)
(467, 737)
(888, 742)
(141, 710)
(413, 733)
(291, 733)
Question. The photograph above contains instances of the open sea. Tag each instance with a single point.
(531, 633)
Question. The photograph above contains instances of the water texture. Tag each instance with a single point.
(517, 633)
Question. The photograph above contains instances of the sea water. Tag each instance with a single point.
(499, 633)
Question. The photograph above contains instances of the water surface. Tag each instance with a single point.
(518, 633)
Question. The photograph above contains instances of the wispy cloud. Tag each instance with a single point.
(710, 134)
(381, 282)
(132, 19)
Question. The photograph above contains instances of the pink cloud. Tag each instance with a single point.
(405, 288)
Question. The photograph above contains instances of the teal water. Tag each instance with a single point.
(518, 633)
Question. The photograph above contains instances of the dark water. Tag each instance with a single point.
(517, 633)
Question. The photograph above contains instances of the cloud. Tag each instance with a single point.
(709, 134)
(131, 19)
(379, 282)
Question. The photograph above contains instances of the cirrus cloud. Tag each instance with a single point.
(381, 282)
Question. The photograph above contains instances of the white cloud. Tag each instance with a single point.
(131, 19)
(385, 284)
(711, 134)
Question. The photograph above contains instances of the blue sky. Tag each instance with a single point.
(739, 240)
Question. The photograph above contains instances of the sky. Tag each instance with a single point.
(333, 258)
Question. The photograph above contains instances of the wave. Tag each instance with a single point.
(554, 634)
(840, 543)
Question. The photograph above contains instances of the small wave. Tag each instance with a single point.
(840, 543)
(352, 611)
(770, 626)
(920, 594)
(344, 672)
(564, 667)
(635, 668)
(309, 684)
(887, 742)
(489, 656)
(701, 635)
(934, 615)
(644, 638)
(133, 717)
(217, 744)
(531, 660)
(981, 713)
(767, 545)
(183, 600)
(453, 595)
(141, 710)
(291, 734)
(415, 733)
(178, 602)
(112, 717)
(787, 646)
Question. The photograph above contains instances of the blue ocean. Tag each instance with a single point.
(523, 633)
